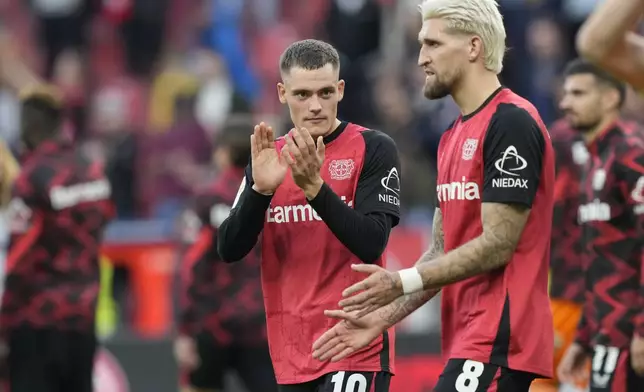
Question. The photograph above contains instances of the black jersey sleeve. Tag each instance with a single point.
(512, 157)
(365, 229)
(238, 233)
(379, 184)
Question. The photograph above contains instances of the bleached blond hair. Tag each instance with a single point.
(478, 17)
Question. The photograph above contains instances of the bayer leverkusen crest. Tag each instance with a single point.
(469, 148)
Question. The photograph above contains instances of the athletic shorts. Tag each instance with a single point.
(252, 365)
(343, 381)
(464, 375)
(565, 316)
(612, 371)
(47, 360)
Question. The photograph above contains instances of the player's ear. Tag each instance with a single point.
(340, 88)
(610, 99)
(281, 92)
(475, 48)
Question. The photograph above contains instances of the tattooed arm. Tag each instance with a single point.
(502, 228)
(406, 305)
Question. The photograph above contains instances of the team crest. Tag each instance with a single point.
(469, 148)
(341, 169)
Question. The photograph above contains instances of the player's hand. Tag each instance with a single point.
(347, 337)
(268, 169)
(381, 288)
(305, 158)
(572, 368)
(185, 353)
(637, 354)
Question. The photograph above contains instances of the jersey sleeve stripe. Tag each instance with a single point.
(24, 243)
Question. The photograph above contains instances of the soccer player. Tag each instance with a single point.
(607, 39)
(611, 330)
(61, 204)
(324, 197)
(223, 323)
(491, 244)
(567, 254)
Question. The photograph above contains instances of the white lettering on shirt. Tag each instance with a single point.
(296, 213)
(65, 197)
(463, 190)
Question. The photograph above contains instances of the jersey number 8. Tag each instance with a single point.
(468, 380)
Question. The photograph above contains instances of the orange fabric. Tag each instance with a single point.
(565, 316)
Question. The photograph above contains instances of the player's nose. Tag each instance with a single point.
(315, 106)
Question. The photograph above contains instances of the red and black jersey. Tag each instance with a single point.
(218, 298)
(308, 247)
(500, 153)
(60, 207)
(567, 254)
(612, 218)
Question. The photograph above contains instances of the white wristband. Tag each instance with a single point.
(411, 280)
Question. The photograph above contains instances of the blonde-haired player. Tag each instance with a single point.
(608, 40)
(489, 255)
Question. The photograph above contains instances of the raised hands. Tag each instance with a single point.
(268, 169)
(305, 158)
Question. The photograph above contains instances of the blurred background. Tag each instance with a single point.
(149, 83)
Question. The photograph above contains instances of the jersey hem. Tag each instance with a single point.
(315, 376)
(537, 371)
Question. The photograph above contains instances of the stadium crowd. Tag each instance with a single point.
(160, 90)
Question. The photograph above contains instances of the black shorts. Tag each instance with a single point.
(612, 371)
(464, 375)
(252, 365)
(348, 381)
(47, 360)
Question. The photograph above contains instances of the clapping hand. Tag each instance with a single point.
(268, 169)
(305, 158)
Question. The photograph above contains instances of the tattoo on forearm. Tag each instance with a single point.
(404, 306)
(502, 228)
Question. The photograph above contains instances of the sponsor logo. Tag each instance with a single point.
(463, 190)
(596, 211)
(510, 162)
(296, 213)
(469, 148)
(510, 183)
(391, 185)
(65, 197)
(341, 169)
(580, 154)
(599, 179)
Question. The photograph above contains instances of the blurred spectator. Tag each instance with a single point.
(545, 44)
(179, 160)
(353, 27)
(61, 26)
(143, 31)
(168, 84)
(68, 75)
(225, 36)
(115, 144)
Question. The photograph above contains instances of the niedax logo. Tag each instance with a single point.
(391, 184)
(510, 162)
